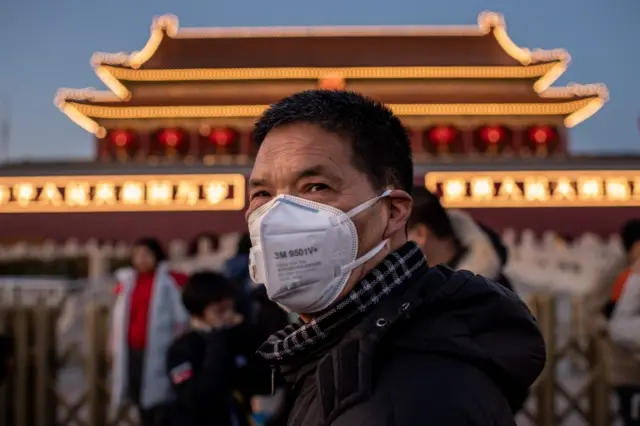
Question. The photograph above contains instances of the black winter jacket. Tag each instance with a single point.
(453, 349)
(214, 374)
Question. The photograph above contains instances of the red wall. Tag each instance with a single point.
(185, 225)
(117, 226)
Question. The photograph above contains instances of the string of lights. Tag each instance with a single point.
(64, 194)
(515, 189)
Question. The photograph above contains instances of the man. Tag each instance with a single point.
(383, 340)
(213, 368)
(453, 238)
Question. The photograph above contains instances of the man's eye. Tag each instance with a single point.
(258, 194)
(315, 187)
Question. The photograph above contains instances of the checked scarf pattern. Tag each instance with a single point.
(389, 275)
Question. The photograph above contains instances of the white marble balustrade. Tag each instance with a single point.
(540, 262)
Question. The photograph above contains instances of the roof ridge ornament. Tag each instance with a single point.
(489, 20)
(168, 23)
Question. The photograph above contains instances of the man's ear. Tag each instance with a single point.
(400, 205)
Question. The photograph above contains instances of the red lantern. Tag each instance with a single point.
(222, 137)
(121, 138)
(541, 135)
(171, 138)
(442, 135)
(492, 134)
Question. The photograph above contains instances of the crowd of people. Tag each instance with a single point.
(350, 300)
(183, 347)
(621, 318)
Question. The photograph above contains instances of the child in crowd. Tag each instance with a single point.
(212, 367)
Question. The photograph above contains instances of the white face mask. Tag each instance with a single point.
(304, 252)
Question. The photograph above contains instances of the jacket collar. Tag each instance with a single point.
(344, 372)
(389, 277)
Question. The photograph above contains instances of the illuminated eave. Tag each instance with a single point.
(546, 65)
(574, 110)
(533, 189)
(113, 77)
(315, 73)
(89, 94)
(122, 193)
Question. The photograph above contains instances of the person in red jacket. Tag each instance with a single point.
(147, 316)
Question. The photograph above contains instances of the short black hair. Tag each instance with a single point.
(205, 288)
(630, 234)
(379, 142)
(428, 211)
(154, 247)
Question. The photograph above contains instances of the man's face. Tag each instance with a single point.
(308, 162)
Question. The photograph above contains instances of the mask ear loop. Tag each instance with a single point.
(364, 258)
(367, 204)
(374, 251)
(335, 221)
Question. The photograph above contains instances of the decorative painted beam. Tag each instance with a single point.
(122, 193)
(517, 189)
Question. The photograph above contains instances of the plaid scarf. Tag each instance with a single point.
(387, 276)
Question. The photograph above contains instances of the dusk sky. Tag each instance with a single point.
(47, 44)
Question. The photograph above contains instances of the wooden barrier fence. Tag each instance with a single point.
(36, 394)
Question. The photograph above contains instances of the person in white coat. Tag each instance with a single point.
(147, 316)
(624, 330)
(453, 238)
